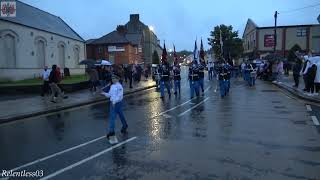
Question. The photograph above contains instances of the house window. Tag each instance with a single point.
(301, 32)
(8, 51)
(41, 55)
(100, 50)
(76, 51)
(136, 50)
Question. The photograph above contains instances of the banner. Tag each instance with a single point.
(269, 40)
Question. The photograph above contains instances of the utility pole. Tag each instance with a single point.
(275, 31)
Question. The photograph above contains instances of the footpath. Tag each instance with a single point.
(19, 107)
(286, 84)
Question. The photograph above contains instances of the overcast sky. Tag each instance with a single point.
(176, 21)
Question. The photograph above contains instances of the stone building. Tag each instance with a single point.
(134, 38)
(118, 47)
(35, 38)
(261, 39)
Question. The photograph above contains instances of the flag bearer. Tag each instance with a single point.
(176, 78)
(194, 79)
(165, 79)
(201, 66)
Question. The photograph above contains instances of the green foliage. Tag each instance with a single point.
(232, 44)
(38, 81)
(291, 55)
(155, 58)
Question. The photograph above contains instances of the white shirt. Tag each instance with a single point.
(45, 75)
(210, 65)
(115, 93)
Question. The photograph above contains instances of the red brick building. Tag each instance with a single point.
(119, 47)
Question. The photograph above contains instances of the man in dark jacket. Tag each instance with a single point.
(310, 76)
(296, 72)
(53, 81)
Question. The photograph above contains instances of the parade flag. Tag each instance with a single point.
(221, 42)
(175, 54)
(195, 51)
(202, 54)
(164, 53)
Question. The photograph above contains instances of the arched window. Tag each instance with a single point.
(61, 54)
(76, 52)
(8, 42)
(41, 44)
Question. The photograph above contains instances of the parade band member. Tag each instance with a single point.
(201, 66)
(222, 74)
(116, 96)
(228, 68)
(176, 78)
(165, 79)
(253, 74)
(194, 78)
(210, 69)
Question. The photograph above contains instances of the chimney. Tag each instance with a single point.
(122, 29)
(134, 17)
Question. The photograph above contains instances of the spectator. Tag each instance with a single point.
(296, 72)
(45, 78)
(310, 77)
(53, 83)
(93, 74)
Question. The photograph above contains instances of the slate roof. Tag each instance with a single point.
(112, 38)
(134, 39)
(117, 38)
(36, 18)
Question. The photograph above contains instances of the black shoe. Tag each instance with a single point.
(65, 97)
(53, 101)
(110, 134)
(191, 97)
(124, 130)
(131, 87)
(175, 93)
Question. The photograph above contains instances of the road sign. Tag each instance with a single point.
(318, 18)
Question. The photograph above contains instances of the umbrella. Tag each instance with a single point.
(104, 63)
(89, 62)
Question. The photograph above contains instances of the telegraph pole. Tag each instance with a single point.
(275, 31)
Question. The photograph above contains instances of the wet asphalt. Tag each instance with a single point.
(253, 133)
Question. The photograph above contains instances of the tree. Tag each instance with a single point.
(155, 58)
(291, 55)
(232, 44)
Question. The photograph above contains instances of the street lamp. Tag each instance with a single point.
(151, 28)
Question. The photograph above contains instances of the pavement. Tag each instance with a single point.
(253, 133)
(287, 82)
(19, 107)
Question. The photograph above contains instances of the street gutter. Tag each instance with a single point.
(61, 108)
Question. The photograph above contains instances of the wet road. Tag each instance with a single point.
(254, 133)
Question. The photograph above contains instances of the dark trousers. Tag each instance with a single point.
(310, 85)
(130, 81)
(296, 78)
(45, 88)
(317, 86)
(305, 81)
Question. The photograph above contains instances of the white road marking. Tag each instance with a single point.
(167, 116)
(86, 159)
(178, 105)
(308, 107)
(57, 154)
(181, 114)
(315, 120)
